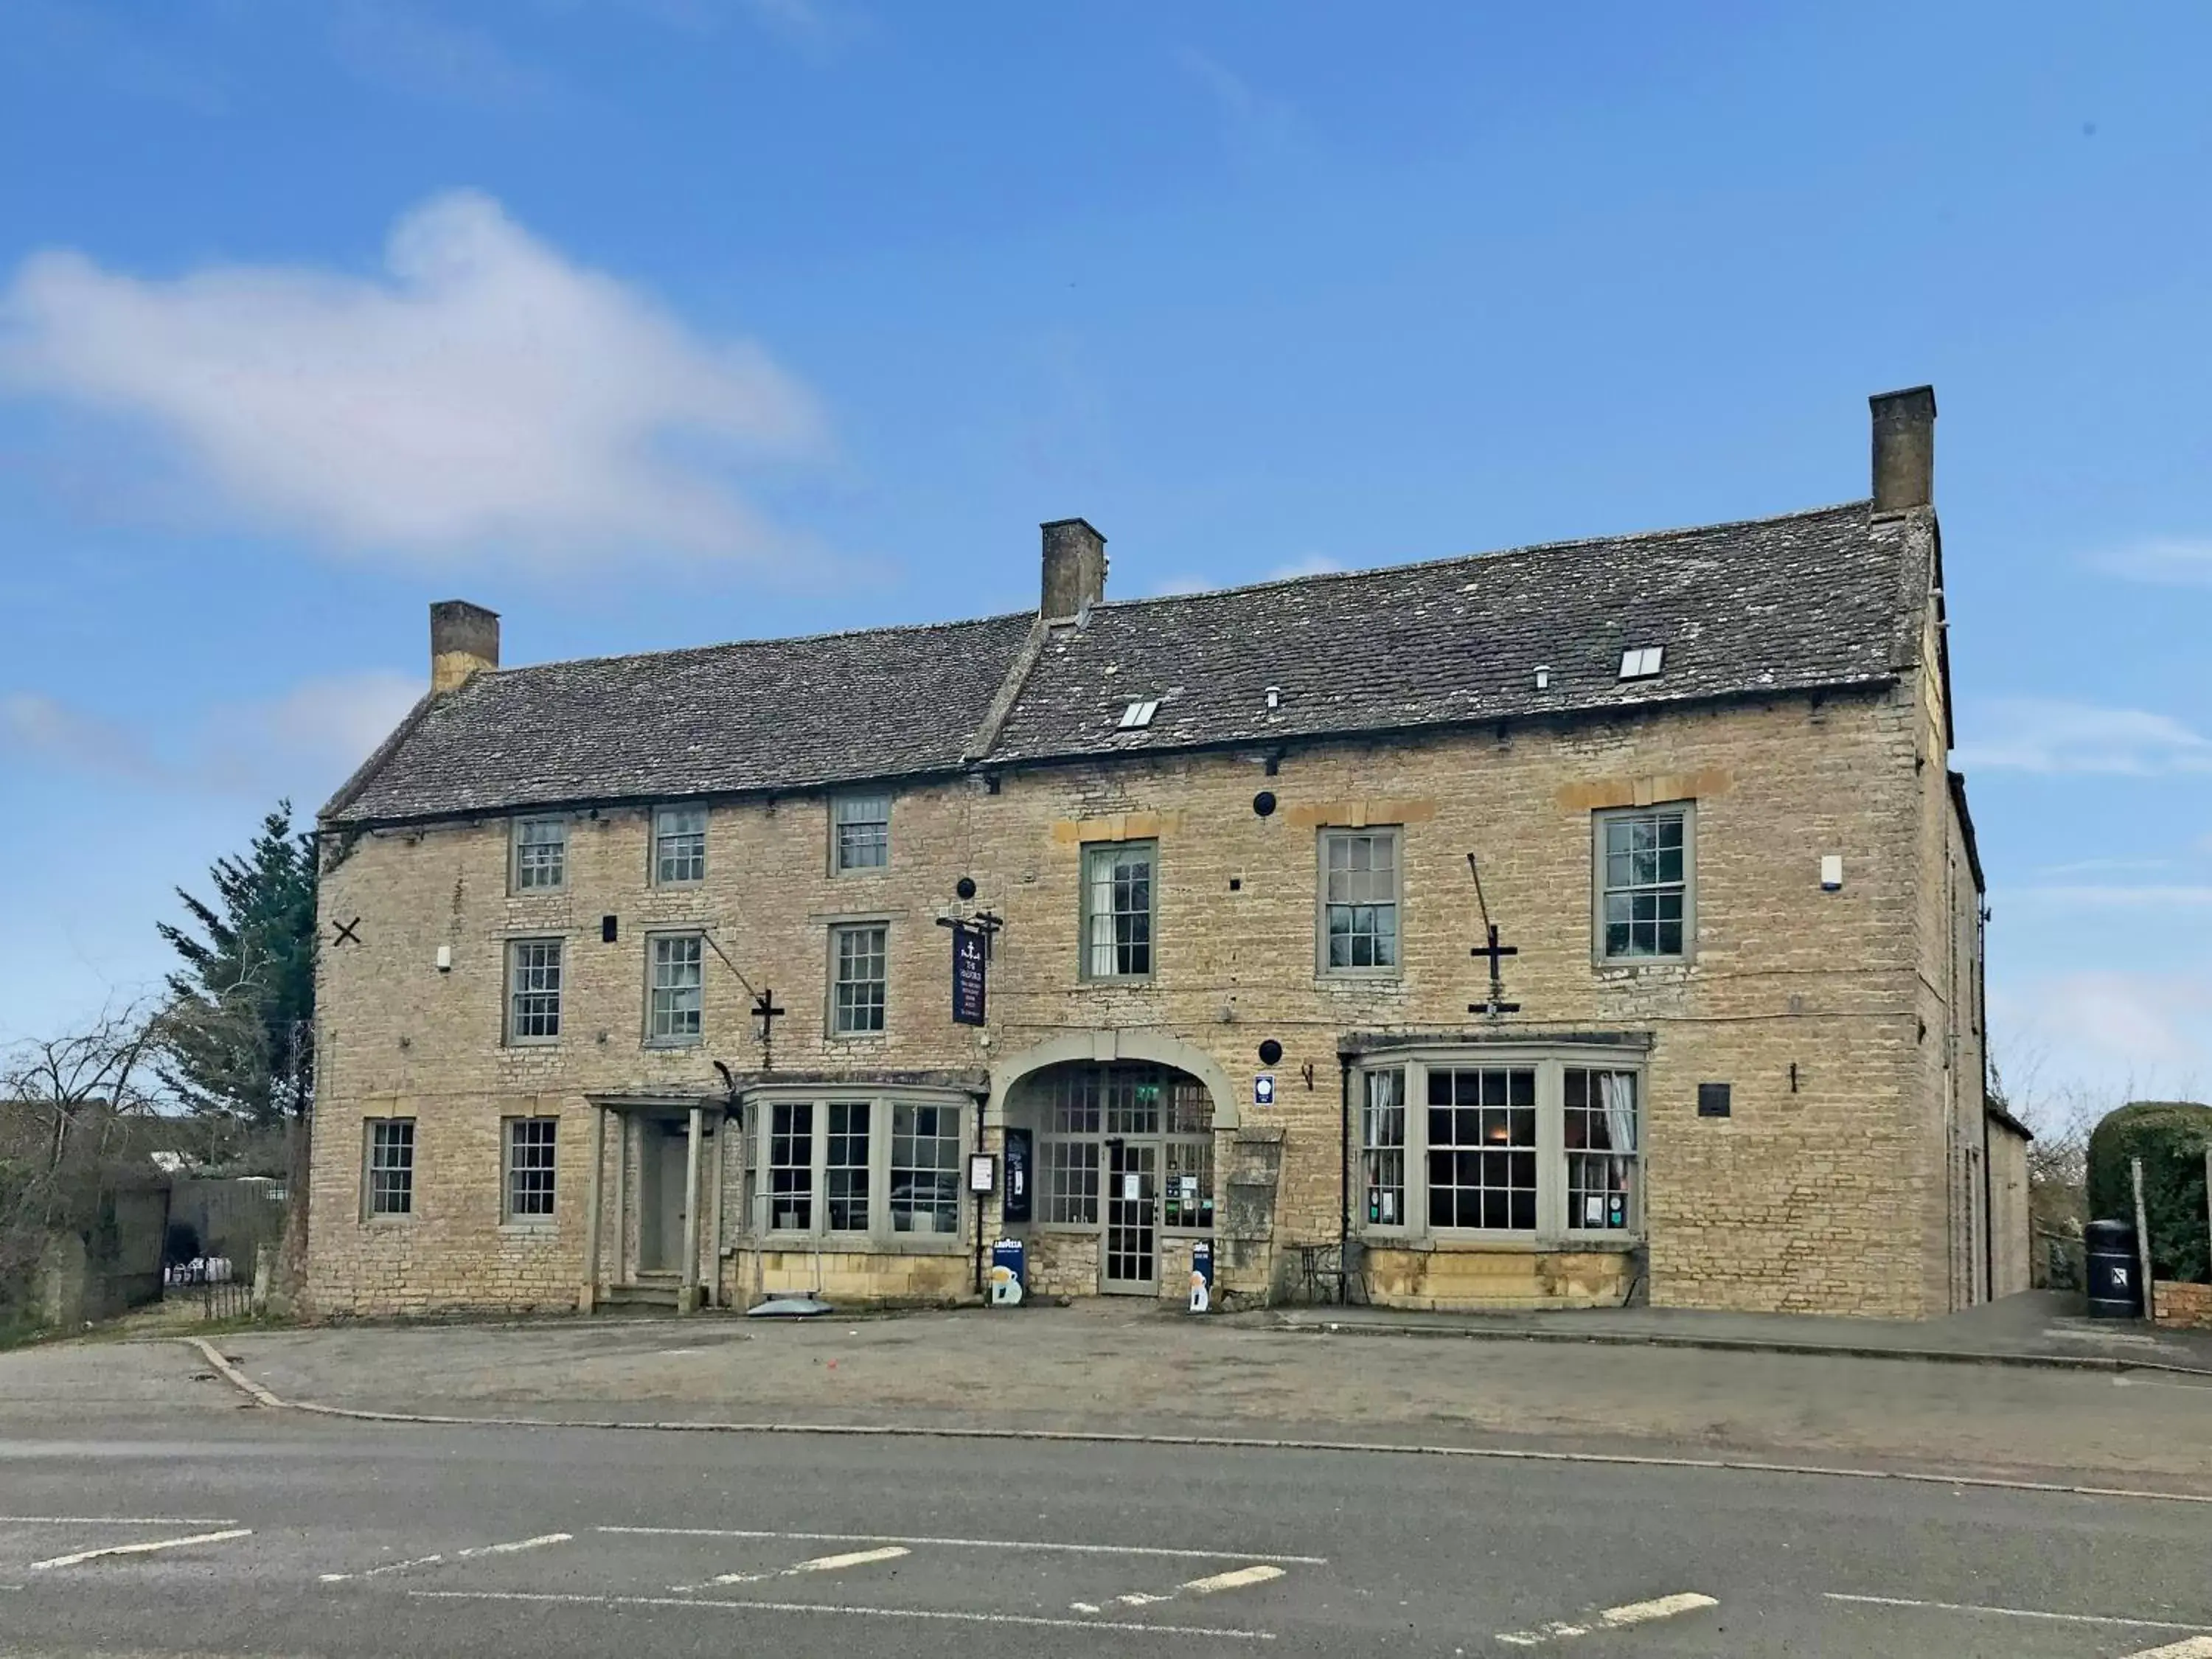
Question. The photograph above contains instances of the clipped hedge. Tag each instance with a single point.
(2171, 1137)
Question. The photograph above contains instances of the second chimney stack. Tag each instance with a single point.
(1075, 569)
(1903, 449)
(464, 642)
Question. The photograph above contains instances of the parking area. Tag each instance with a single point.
(1039, 1592)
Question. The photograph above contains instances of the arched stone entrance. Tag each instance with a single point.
(1121, 1153)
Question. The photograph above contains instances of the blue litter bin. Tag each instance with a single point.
(1009, 1273)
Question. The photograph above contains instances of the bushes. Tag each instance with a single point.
(2171, 1137)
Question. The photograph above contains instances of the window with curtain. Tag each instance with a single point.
(1383, 1147)
(1599, 1139)
(1118, 898)
(1535, 1142)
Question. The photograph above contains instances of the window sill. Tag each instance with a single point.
(691, 1046)
(867, 1243)
(859, 1039)
(1501, 1243)
(1115, 981)
(406, 1221)
(1344, 979)
(546, 1229)
(1639, 964)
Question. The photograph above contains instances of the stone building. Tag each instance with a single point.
(633, 982)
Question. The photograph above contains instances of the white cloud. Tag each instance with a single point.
(487, 396)
(38, 727)
(2125, 1033)
(321, 728)
(1311, 564)
(2182, 561)
(2038, 734)
(302, 742)
(1253, 122)
(413, 50)
(2103, 866)
(2166, 897)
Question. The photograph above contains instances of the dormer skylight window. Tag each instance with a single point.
(1642, 663)
(1139, 715)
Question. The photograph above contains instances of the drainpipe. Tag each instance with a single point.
(1344, 1175)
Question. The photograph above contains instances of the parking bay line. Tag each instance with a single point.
(2018, 1613)
(819, 1564)
(1624, 1617)
(474, 1551)
(1152, 1550)
(2193, 1647)
(117, 1521)
(1213, 1584)
(146, 1549)
(937, 1614)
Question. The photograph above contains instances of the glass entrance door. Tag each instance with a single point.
(1132, 1183)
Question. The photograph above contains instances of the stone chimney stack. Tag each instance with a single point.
(464, 641)
(1075, 569)
(1903, 449)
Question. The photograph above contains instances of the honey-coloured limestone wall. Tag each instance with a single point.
(1826, 1189)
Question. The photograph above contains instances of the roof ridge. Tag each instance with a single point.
(1317, 577)
(665, 651)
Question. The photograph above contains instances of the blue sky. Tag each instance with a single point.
(654, 323)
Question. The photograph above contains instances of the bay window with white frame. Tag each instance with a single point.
(858, 1169)
(1529, 1145)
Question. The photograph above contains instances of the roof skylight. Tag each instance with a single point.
(1641, 664)
(1138, 714)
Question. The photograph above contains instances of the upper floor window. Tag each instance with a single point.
(679, 845)
(541, 855)
(1646, 883)
(390, 1156)
(533, 990)
(861, 832)
(675, 988)
(859, 978)
(1359, 901)
(1119, 894)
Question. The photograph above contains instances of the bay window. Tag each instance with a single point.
(1501, 1144)
(865, 1170)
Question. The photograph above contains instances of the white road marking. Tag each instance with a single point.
(819, 1564)
(458, 1555)
(146, 1548)
(2018, 1613)
(1623, 1617)
(1664, 1607)
(2194, 1647)
(969, 1544)
(1229, 1581)
(116, 1521)
(1236, 1578)
(935, 1614)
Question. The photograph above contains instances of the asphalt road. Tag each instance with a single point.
(330, 1538)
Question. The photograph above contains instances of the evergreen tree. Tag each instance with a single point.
(239, 1042)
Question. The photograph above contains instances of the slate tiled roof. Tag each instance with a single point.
(762, 714)
(1775, 604)
(1829, 597)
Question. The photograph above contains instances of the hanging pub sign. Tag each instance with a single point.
(969, 974)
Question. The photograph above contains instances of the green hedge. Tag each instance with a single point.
(2171, 1137)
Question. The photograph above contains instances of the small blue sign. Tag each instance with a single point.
(1263, 1088)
